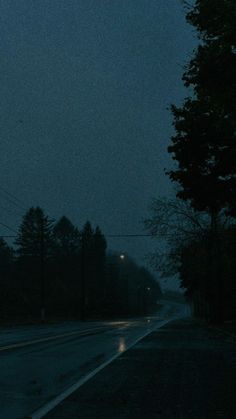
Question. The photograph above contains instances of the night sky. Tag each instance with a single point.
(85, 86)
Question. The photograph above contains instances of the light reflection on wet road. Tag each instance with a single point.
(33, 374)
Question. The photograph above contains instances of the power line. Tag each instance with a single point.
(106, 235)
(137, 235)
(14, 202)
(9, 228)
(11, 210)
(13, 196)
(128, 235)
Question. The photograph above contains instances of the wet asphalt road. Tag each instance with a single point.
(183, 370)
(53, 357)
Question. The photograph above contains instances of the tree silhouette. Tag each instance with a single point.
(8, 295)
(35, 228)
(66, 238)
(99, 265)
(34, 247)
(204, 144)
(65, 269)
(93, 260)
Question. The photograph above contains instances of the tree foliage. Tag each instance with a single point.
(35, 228)
(66, 238)
(204, 145)
(187, 246)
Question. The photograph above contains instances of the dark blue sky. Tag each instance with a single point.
(85, 86)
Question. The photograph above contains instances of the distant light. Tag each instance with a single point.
(122, 256)
(148, 288)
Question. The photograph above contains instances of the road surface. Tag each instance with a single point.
(38, 363)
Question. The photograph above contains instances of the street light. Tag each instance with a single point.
(122, 256)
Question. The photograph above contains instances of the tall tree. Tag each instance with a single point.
(6, 257)
(93, 268)
(86, 269)
(99, 263)
(212, 70)
(34, 247)
(65, 268)
(66, 238)
(7, 291)
(204, 148)
(204, 145)
(35, 230)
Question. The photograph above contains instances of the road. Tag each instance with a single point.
(183, 370)
(38, 363)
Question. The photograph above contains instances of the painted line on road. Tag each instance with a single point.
(50, 338)
(46, 408)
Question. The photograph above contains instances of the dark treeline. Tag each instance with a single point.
(56, 271)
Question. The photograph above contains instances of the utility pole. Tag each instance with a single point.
(82, 287)
(42, 272)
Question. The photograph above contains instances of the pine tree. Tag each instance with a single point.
(99, 260)
(65, 268)
(66, 238)
(93, 257)
(7, 289)
(35, 229)
(6, 257)
(34, 247)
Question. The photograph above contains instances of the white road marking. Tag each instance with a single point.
(42, 411)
